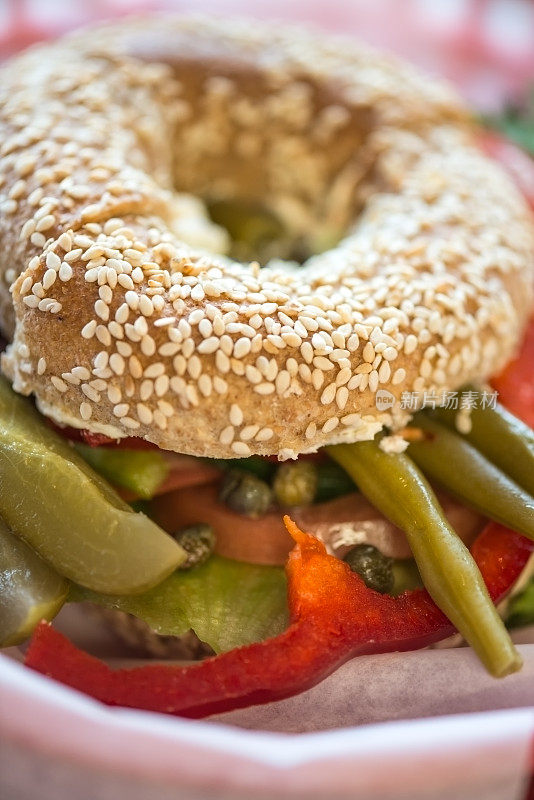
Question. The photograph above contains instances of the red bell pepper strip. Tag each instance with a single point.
(515, 384)
(334, 616)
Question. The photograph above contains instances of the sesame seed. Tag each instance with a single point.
(129, 422)
(328, 394)
(241, 449)
(248, 432)
(154, 370)
(144, 414)
(90, 392)
(103, 335)
(53, 261)
(317, 379)
(208, 346)
(146, 389)
(85, 411)
(116, 330)
(236, 415)
(264, 388)
(41, 366)
(282, 382)
(49, 278)
(330, 425)
(105, 293)
(226, 436)
(342, 396)
(322, 363)
(81, 372)
(373, 380)
(222, 362)
(306, 350)
(45, 223)
(351, 420)
(205, 328)
(166, 408)
(121, 409)
(311, 431)
(148, 346)
(220, 385)
(101, 360)
(264, 435)
(390, 354)
(117, 364)
(160, 419)
(38, 239)
(60, 385)
(26, 285)
(73, 255)
(146, 306)
(410, 344)
(101, 310)
(194, 367)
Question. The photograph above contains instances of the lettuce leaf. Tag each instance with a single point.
(227, 603)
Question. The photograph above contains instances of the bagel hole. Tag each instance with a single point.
(256, 233)
(282, 162)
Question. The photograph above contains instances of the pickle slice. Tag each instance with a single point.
(30, 590)
(51, 498)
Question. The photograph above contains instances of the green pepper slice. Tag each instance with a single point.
(141, 471)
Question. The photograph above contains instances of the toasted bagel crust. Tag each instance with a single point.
(122, 324)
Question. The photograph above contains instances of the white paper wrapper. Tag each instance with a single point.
(395, 686)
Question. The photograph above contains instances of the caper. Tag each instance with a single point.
(245, 493)
(375, 569)
(295, 484)
(198, 541)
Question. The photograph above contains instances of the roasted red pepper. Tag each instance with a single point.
(334, 616)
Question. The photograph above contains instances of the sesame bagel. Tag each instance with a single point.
(127, 318)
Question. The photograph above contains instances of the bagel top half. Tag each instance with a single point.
(124, 320)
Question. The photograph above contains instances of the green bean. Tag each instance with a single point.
(295, 483)
(452, 462)
(397, 488)
(502, 438)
